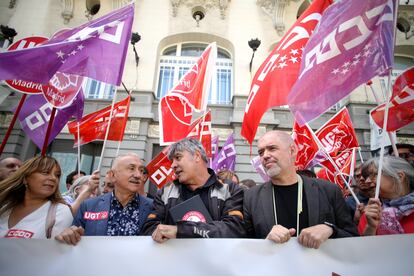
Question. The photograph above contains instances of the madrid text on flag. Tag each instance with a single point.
(96, 49)
(353, 44)
(277, 74)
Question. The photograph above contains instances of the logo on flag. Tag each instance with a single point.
(353, 44)
(307, 147)
(96, 49)
(275, 77)
(401, 106)
(94, 125)
(226, 158)
(191, 93)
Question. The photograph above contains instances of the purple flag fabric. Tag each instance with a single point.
(214, 149)
(35, 114)
(353, 44)
(226, 158)
(96, 49)
(257, 165)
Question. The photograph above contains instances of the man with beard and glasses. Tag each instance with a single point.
(291, 205)
(118, 213)
(223, 201)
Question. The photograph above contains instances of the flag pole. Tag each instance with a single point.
(49, 130)
(13, 121)
(387, 100)
(360, 155)
(389, 133)
(320, 146)
(79, 156)
(107, 131)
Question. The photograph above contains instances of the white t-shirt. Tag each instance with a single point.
(33, 226)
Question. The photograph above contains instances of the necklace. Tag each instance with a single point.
(299, 203)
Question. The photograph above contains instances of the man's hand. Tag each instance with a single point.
(164, 232)
(280, 234)
(373, 215)
(314, 236)
(71, 235)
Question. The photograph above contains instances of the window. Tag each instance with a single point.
(97, 90)
(176, 60)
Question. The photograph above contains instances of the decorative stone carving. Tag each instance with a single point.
(67, 10)
(116, 4)
(207, 4)
(133, 126)
(154, 131)
(12, 4)
(276, 10)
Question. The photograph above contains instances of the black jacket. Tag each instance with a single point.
(324, 201)
(225, 208)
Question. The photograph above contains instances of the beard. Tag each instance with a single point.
(273, 171)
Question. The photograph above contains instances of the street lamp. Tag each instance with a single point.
(254, 44)
(135, 37)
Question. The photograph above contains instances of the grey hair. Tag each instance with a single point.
(188, 144)
(78, 183)
(124, 155)
(391, 166)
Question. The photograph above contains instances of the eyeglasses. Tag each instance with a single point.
(371, 175)
(406, 155)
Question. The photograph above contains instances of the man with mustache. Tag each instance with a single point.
(223, 201)
(118, 213)
(292, 205)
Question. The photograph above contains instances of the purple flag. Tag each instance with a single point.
(257, 165)
(353, 44)
(35, 114)
(214, 149)
(96, 49)
(226, 158)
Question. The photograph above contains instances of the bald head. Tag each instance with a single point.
(277, 153)
(123, 156)
(281, 136)
(8, 166)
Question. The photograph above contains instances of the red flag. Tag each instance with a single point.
(191, 93)
(401, 107)
(325, 174)
(338, 134)
(159, 169)
(343, 162)
(93, 126)
(276, 76)
(201, 130)
(307, 147)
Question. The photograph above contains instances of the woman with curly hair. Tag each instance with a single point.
(30, 202)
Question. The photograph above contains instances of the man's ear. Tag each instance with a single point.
(111, 174)
(197, 156)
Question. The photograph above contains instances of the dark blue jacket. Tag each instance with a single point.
(97, 210)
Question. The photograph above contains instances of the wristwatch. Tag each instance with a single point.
(332, 226)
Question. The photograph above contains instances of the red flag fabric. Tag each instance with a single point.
(201, 130)
(343, 162)
(276, 76)
(401, 107)
(307, 147)
(323, 173)
(191, 93)
(159, 169)
(338, 134)
(93, 126)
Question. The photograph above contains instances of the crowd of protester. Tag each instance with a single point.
(292, 204)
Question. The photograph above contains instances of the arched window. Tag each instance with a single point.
(176, 59)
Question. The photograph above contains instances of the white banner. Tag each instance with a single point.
(377, 255)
